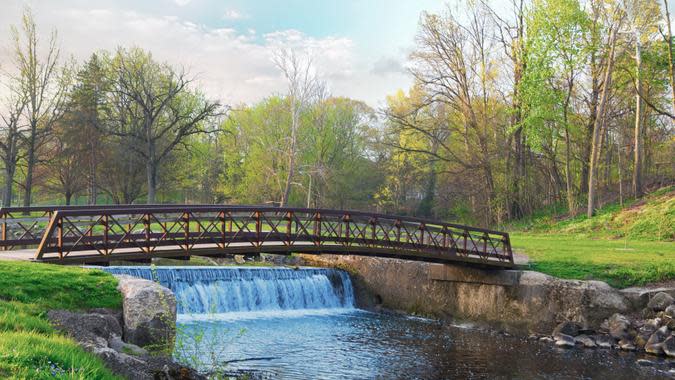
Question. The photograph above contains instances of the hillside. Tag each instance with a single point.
(625, 246)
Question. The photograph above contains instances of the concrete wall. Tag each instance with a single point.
(514, 300)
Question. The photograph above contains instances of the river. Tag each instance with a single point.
(302, 324)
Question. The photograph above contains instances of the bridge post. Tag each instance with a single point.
(146, 226)
(221, 216)
(104, 221)
(258, 228)
(289, 226)
(186, 228)
(422, 227)
(59, 237)
(317, 229)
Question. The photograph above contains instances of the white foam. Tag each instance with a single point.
(262, 314)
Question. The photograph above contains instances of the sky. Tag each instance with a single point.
(359, 47)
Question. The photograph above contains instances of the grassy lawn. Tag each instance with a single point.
(624, 246)
(29, 346)
(621, 263)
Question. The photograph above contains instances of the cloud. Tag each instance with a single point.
(233, 14)
(386, 66)
(181, 3)
(234, 66)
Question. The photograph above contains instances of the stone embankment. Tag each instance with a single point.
(136, 342)
(517, 301)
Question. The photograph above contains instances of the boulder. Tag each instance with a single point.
(660, 301)
(617, 325)
(565, 341)
(670, 311)
(85, 327)
(568, 328)
(149, 313)
(586, 341)
(655, 343)
(669, 346)
(645, 362)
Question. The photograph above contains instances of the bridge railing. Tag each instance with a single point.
(183, 230)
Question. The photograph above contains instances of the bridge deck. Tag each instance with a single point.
(76, 235)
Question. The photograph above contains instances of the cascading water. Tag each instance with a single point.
(218, 290)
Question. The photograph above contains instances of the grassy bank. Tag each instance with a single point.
(624, 246)
(29, 347)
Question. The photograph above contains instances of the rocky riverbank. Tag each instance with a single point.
(651, 331)
(135, 342)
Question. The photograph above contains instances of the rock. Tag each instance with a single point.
(626, 345)
(645, 362)
(99, 333)
(546, 339)
(117, 344)
(669, 346)
(660, 301)
(654, 348)
(653, 323)
(670, 311)
(618, 325)
(85, 327)
(671, 324)
(604, 341)
(568, 328)
(149, 313)
(586, 341)
(565, 341)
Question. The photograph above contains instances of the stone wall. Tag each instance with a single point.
(513, 300)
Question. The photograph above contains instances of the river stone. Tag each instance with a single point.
(670, 311)
(626, 345)
(618, 325)
(604, 341)
(645, 362)
(660, 301)
(117, 344)
(669, 346)
(568, 328)
(586, 340)
(149, 312)
(564, 340)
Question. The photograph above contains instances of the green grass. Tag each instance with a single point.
(29, 347)
(624, 246)
(621, 263)
(651, 218)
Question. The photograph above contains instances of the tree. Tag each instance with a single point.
(600, 122)
(303, 86)
(10, 138)
(151, 104)
(556, 33)
(40, 84)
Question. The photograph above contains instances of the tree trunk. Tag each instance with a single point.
(291, 154)
(671, 70)
(30, 166)
(637, 165)
(598, 128)
(151, 169)
(10, 169)
(68, 195)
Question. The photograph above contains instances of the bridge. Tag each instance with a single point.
(99, 234)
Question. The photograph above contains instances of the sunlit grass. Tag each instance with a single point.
(29, 347)
(621, 263)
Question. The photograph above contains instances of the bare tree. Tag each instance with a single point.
(151, 104)
(303, 86)
(10, 138)
(41, 85)
(600, 122)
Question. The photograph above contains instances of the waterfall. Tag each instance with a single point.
(218, 290)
